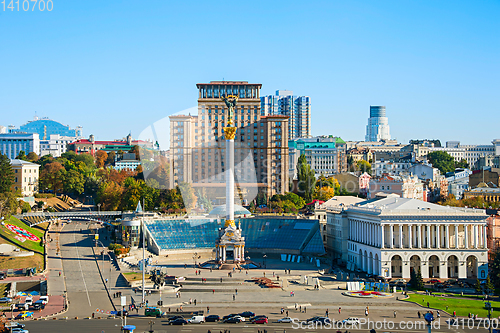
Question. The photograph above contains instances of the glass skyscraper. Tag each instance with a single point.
(297, 108)
(378, 125)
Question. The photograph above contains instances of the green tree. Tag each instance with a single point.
(441, 160)
(111, 158)
(52, 176)
(305, 176)
(109, 195)
(6, 174)
(297, 201)
(22, 156)
(489, 287)
(416, 281)
(74, 182)
(188, 195)
(32, 157)
(462, 164)
(364, 166)
(44, 160)
(495, 268)
(85, 158)
(478, 287)
(9, 203)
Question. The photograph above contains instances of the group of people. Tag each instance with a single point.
(117, 294)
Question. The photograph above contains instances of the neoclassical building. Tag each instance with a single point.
(392, 236)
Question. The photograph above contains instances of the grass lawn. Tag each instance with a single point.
(463, 306)
(132, 276)
(7, 237)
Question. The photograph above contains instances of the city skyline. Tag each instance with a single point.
(119, 72)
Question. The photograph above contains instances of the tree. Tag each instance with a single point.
(109, 195)
(111, 158)
(32, 157)
(306, 178)
(9, 203)
(136, 150)
(22, 156)
(489, 287)
(52, 176)
(100, 158)
(462, 164)
(324, 193)
(478, 287)
(85, 158)
(495, 268)
(441, 160)
(74, 182)
(364, 166)
(188, 195)
(6, 174)
(416, 281)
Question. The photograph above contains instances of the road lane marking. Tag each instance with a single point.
(79, 262)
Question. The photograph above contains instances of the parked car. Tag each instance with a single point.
(285, 320)
(172, 318)
(29, 300)
(178, 321)
(351, 321)
(22, 306)
(13, 324)
(19, 330)
(197, 320)
(432, 281)
(262, 320)
(312, 319)
(5, 300)
(257, 317)
(322, 320)
(24, 314)
(38, 306)
(44, 299)
(234, 320)
(230, 316)
(247, 314)
(212, 318)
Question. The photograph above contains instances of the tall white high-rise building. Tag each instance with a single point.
(378, 125)
(297, 108)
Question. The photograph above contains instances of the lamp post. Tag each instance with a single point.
(264, 261)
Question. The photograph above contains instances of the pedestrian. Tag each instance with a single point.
(278, 277)
(300, 308)
(59, 273)
(285, 271)
(287, 313)
(208, 309)
(394, 314)
(326, 313)
(195, 301)
(92, 315)
(454, 314)
(264, 274)
(305, 309)
(185, 266)
(418, 314)
(247, 272)
(296, 306)
(438, 314)
(220, 280)
(340, 309)
(273, 274)
(234, 297)
(427, 304)
(213, 291)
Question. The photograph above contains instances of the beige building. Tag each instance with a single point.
(197, 144)
(26, 177)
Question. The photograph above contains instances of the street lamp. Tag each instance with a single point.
(264, 256)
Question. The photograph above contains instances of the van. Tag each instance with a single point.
(29, 300)
(44, 299)
(197, 320)
(152, 312)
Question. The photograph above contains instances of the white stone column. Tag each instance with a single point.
(410, 236)
(224, 253)
(438, 236)
(230, 179)
(428, 236)
(391, 226)
(447, 236)
(475, 236)
(419, 230)
(382, 241)
(466, 236)
(456, 236)
(485, 236)
(400, 236)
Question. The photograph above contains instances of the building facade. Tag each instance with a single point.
(12, 143)
(56, 145)
(392, 236)
(26, 175)
(378, 125)
(404, 186)
(197, 144)
(46, 127)
(325, 154)
(296, 108)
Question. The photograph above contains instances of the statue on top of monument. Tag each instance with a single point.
(230, 101)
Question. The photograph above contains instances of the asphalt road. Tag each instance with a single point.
(161, 326)
(85, 288)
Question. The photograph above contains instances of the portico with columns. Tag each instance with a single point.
(409, 234)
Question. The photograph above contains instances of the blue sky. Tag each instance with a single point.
(119, 66)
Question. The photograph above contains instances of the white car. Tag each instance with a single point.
(285, 320)
(19, 330)
(351, 321)
(238, 316)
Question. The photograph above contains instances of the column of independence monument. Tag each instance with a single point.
(230, 243)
